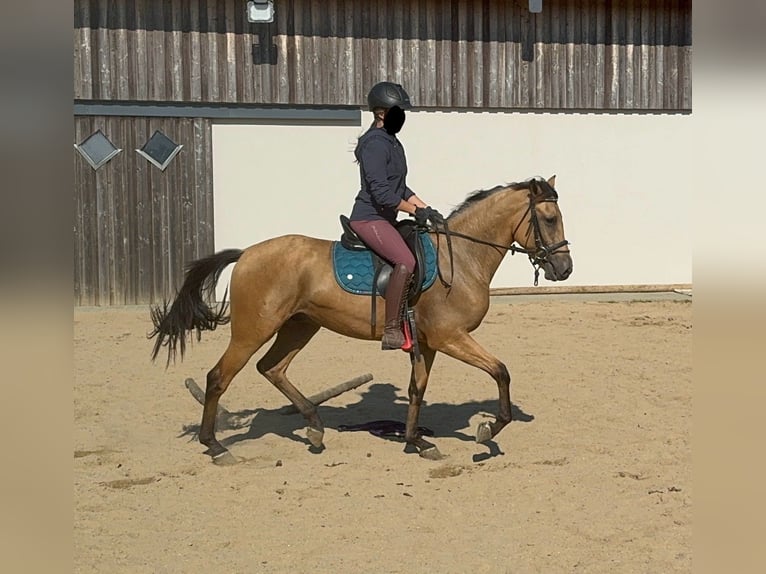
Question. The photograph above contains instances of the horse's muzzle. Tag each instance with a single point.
(558, 267)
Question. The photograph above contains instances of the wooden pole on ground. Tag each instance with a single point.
(316, 399)
(330, 393)
(587, 289)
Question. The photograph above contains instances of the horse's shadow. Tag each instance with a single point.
(379, 401)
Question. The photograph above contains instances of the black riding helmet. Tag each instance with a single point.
(387, 95)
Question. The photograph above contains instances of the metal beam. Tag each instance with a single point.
(352, 116)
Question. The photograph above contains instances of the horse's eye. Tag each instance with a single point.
(550, 220)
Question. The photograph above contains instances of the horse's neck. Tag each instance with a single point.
(492, 220)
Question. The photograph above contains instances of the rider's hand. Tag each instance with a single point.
(421, 215)
(434, 216)
(425, 214)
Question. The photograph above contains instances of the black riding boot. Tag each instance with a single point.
(396, 297)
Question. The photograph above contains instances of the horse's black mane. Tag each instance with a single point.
(481, 194)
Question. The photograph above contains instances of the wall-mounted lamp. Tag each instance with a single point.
(536, 6)
(260, 11)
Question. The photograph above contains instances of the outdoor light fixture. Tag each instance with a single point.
(260, 11)
(536, 6)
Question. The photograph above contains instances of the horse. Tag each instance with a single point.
(285, 286)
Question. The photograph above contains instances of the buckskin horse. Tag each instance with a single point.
(264, 300)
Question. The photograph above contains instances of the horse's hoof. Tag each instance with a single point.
(225, 459)
(315, 437)
(431, 453)
(483, 432)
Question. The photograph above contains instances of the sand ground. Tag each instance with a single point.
(594, 475)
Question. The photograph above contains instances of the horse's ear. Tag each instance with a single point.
(552, 181)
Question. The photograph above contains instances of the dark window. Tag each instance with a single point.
(97, 149)
(160, 150)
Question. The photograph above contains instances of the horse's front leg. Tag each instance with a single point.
(463, 347)
(418, 382)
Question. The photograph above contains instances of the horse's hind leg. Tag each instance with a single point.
(234, 358)
(291, 338)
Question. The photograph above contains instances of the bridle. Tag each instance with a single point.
(538, 256)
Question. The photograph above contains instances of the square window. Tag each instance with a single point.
(160, 150)
(97, 149)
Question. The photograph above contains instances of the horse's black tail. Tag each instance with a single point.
(189, 310)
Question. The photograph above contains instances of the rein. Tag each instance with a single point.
(448, 234)
(537, 256)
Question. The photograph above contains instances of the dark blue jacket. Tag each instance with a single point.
(383, 174)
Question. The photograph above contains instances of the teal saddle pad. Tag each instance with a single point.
(354, 270)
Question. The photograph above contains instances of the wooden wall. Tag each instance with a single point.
(137, 226)
(576, 54)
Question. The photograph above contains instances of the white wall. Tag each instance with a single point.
(623, 180)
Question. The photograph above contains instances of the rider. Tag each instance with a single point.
(384, 193)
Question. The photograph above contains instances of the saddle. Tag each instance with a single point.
(359, 270)
(418, 242)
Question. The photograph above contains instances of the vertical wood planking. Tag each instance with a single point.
(348, 55)
(685, 64)
(317, 52)
(644, 54)
(637, 56)
(593, 54)
(443, 65)
(119, 47)
(143, 253)
(612, 84)
(175, 74)
(195, 53)
(475, 52)
(659, 64)
(427, 68)
(102, 76)
(460, 62)
(89, 231)
(495, 55)
(307, 56)
(83, 78)
(203, 187)
(413, 54)
(330, 40)
(282, 80)
(136, 226)
(538, 64)
(672, 64)
(82, 218)
(385, 68)
(229, 39)
(519, 24)
(116, 220)
(598, 55)
(569, 63)
(128, 200)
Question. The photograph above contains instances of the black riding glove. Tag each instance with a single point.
(421, 216)
(434, 216)
(425, 214)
